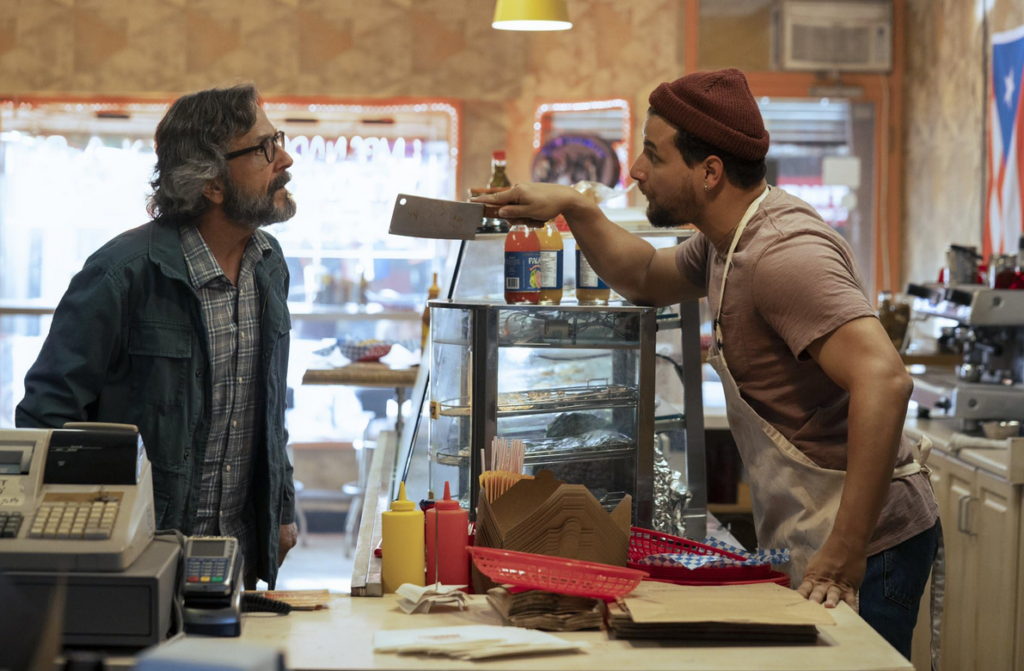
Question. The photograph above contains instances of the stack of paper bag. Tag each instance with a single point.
(535, 609)
(548, 517)
(760, 613)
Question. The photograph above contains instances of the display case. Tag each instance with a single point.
(575, 384)
(594, 363)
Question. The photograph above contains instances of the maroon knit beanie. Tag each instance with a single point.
(718, 108)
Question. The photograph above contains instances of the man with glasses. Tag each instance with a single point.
(181, 327)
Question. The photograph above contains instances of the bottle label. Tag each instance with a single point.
(522, 271)
(586, 278)
(551, 269)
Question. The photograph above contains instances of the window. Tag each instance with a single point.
(73, 175)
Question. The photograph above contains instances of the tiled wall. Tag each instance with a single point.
(348, 48)
(943, 124)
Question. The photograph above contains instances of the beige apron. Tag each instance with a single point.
(795, 501)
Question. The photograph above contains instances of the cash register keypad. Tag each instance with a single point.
(88, 520)
(10, 524)
(207, 570)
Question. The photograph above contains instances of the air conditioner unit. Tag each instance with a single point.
(833, 35)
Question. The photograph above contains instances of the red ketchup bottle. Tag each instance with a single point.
(522, 266)
(447, 537)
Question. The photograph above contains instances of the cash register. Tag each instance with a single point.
(76, 506)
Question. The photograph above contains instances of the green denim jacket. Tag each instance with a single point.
(128, 344)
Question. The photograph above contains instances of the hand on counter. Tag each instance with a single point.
(289, 536)
(834, 574)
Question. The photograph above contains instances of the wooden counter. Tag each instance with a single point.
(341, 637)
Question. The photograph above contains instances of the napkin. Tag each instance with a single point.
(472, 642)
(417, 599)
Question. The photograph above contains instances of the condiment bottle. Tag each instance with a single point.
(447, 537)
(498, 176)
(552, 251)
(1018, 276)
(432, 293)
(590, 289)
(522, 266)
(402, 558)
(364, 288)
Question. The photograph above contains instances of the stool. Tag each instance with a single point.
(300, 515)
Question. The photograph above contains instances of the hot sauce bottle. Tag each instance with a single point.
(447, 537)
(522, 266)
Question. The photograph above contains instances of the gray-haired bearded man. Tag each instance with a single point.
(181, 327)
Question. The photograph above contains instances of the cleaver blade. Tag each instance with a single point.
(419, 217)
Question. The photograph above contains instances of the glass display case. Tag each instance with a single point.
(575, 384)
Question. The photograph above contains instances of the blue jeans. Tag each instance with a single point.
(893, 584)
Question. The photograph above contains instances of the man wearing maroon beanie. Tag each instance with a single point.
(816, 394)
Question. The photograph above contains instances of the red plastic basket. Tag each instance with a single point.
(645, 542)
(554, 574)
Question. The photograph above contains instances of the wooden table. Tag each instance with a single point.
(373, 375)
(342, 638)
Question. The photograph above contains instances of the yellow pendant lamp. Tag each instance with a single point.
(531, 15)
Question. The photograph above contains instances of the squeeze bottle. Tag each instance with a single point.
(401, 544)
(447, 537)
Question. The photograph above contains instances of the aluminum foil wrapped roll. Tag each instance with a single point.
(671, 496)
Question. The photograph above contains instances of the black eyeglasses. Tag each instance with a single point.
(268, 147)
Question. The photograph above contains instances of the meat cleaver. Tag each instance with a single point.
(419, 217)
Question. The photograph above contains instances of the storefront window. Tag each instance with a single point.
(73, 175)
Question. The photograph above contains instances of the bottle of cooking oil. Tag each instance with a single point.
(433, 292)
(590, 289)
(552, 251)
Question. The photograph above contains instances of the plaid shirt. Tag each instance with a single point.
(232, 322)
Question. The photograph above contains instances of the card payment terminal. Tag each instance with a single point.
(212, 589)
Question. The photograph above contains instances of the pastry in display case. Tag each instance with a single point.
(574, 383)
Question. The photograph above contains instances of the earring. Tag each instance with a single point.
(705, 187)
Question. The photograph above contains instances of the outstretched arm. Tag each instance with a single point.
(630, 265)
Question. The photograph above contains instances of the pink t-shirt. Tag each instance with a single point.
(793, 280)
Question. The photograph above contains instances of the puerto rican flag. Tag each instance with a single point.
(1003, 212)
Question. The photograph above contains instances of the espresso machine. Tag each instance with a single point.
(988, 384)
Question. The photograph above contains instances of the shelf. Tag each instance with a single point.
(544, 457)
(577, 345)
(26, 306)
(357, 254)
(350, 312)
(544, 402)
(569, 456)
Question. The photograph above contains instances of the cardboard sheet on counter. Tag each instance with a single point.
(759, 604)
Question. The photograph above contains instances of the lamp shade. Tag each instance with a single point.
(531, 15)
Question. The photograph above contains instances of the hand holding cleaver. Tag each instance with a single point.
(419, 217)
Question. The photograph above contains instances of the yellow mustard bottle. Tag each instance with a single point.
(402, 553)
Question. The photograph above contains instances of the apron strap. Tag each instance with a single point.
(937, 602)
(924, 450)
(716, 322)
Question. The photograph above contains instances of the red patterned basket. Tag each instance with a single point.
(646, 542)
